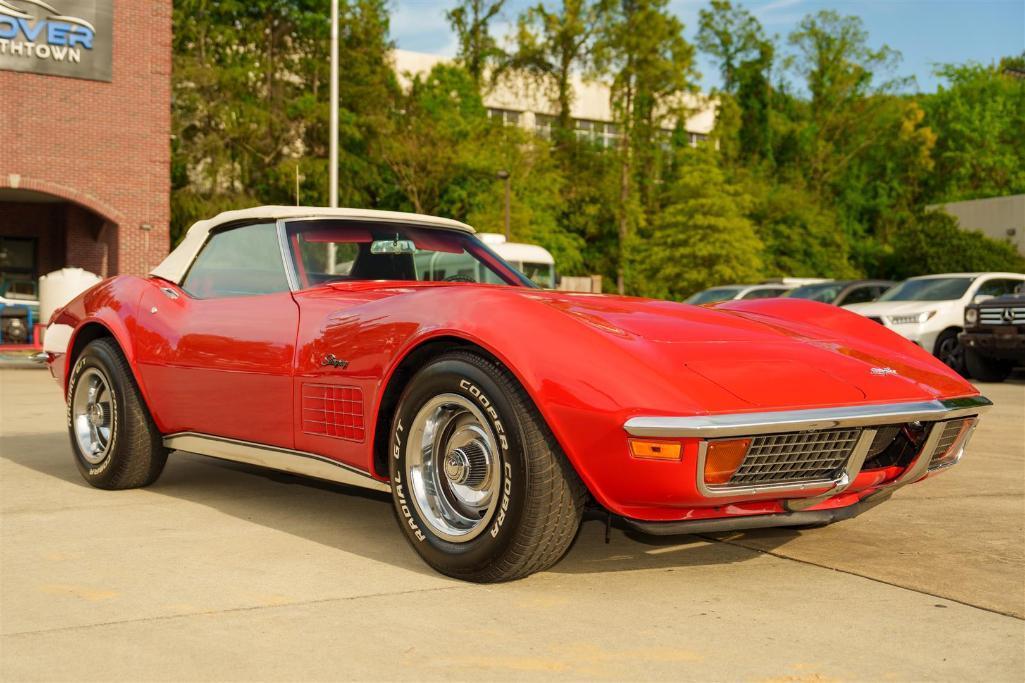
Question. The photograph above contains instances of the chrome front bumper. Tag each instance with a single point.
(868, 418)
(749, 424)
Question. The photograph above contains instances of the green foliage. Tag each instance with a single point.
(801, 237)
(471, 20)
(979, 120)
(820, 163)
(552, 45)
(732, 36)
(932, 242)
(702, 237)
(651, 66)
(249, 106)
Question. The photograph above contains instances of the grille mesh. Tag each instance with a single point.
(336, 411)
(947, 438)
(995, 316)
(795, 457)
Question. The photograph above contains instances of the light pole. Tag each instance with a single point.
(504, 175)
(333, 171)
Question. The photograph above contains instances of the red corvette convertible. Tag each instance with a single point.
(397, 352)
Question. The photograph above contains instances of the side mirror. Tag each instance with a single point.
(979, 298)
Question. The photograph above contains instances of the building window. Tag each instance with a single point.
(599, 132)
(544, 125)
(696, 138)
(507, 117)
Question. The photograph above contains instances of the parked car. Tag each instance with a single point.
(732, 292)
(493, 413)
(842, 292)
(994, 336)
(929, 310)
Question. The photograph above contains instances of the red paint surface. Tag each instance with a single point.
(238, 367)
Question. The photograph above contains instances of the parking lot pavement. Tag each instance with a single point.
(225, 572)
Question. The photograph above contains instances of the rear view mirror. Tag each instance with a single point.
(395, 246)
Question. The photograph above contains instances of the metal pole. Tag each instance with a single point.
(333, 174)
(508, 201)
(505, 175)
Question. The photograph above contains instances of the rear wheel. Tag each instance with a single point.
(950, 351)
(481, 489)
(114, 440)
(987, 369)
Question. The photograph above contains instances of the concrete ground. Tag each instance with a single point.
(229, 573)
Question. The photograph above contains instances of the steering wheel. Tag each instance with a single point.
(460, 278)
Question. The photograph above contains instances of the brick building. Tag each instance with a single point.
(85, 128)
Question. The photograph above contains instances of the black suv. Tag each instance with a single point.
(994, 337)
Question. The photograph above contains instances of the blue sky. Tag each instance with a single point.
(926, 32)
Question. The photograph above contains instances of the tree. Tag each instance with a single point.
(702, 238)
(428, 146)
(979, 120)
(553, 46)
(471, 19)
(840, 69)
(732, 36)
(801, 238)
(250, 103)
(932, 242)
(651, 65)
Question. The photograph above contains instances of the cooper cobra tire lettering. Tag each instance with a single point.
(506, 491)
(489, 408)
(535, 499)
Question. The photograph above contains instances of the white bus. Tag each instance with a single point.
(530, 259)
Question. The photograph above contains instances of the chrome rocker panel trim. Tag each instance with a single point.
(273, 457)
(752, 424)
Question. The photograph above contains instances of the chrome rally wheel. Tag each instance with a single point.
(92, 415)
(113, 437)
(452, 466)
(481, 489)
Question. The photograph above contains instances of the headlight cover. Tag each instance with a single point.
(971, 316)
(911, 318)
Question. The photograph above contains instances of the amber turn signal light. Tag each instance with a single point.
(722, 458)
(655, 450)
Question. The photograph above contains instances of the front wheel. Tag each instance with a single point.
(481, 489)
(950, 351)
(115, 442)
(987, 369)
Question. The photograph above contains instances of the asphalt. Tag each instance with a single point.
(224, 572)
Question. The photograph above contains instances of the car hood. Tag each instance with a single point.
(761, 361)
(897, 307)
(652, 357)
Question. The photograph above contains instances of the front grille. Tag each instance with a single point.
(795, 457)
(951, 430)
(996, 316)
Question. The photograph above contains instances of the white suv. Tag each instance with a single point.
(929, 310)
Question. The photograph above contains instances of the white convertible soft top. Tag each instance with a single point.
(173, 267)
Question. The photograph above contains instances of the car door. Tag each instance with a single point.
(216, 354)
(860, 294)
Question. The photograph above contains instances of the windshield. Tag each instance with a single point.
(715, 294)
(929, 289)
(345, 251)
(825, 292)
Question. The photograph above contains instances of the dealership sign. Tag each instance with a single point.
(57, 37)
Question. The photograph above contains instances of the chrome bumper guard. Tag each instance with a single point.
(870, 418)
